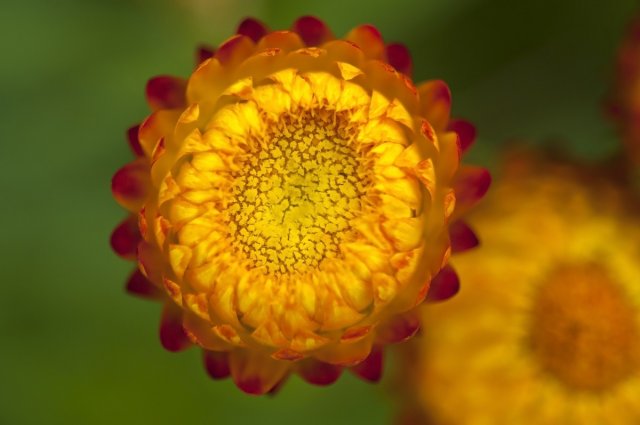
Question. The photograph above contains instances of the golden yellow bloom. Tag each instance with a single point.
(546, 329)
(294, 199)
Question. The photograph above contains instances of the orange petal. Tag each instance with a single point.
(234, 50)
(399, 57)
(204, 52)
(166, 92)
(462, 237)
(470, 185)
(255, 372)
(312, 30)
(341, 354)
(466, 133)
(319, 373)
(216, 364)
(253, 29)
(172, 334)
(369, 39)
(125, 238)
(370, 369)
(140, 286)
(444, 286)
(399, 329)
(435, 103)
(134, 140)
(129, 184)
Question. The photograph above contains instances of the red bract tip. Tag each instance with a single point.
(166, 92)
(470, 185)
(319, 373)
(140, 286)
(399, 57)
(125, 238)
(134, 141)
(204, 52)
(217, 364)
(172, 334)
(462, 237)
(370, 369)
(444, 286)
(253, 29)
(466, 133)
(312, 30)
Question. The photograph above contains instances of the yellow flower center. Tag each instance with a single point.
(294, 201)
(584, 330)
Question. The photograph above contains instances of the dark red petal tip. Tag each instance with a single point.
(172, 334)
(125, 238)
(462, 237)
(470, 185)
(312, 30)
(370, 369)
(466, 133)
(134, 140)
(204, 52)
(319, 373)
(253, 29)
(217, 364)
(444, 286)
(399, 57)
(140, 286)
(166, 92)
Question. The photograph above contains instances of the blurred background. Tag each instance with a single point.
(74, 348)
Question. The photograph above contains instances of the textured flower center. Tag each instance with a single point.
(584, 330)
(301, 187)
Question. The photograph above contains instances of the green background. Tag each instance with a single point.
(74, 349)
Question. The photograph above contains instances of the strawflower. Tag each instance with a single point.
(293, 201)
(546, 328)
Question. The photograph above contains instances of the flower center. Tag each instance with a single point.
(584, 330)
(300, 187)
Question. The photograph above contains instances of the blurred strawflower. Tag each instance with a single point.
(293, 201)
(546, 328)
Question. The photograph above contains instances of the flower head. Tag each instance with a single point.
(295, 198)
(547, 329)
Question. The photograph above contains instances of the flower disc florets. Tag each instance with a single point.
(295, 199)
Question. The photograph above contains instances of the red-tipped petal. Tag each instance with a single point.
(466, 133)
(470, 185)
(129, 184)
(256, 372)
(172, 334)
(462, 237)
(319, 373)
(369, 39)
(204, 52)
(125, 238)
(435, 103)
(444, 286)
(312, 30)
(166, 92)
(217, 364)
(134, 140)
(399, 329)
(234, 50)
(370, 369)
(399, 57)
(253, 29)
(140, 286)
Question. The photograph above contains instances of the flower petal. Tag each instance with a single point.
(399, 57)
(172, 334)
(255, 372)
(470, 185)
(435, 103)
(369, 39)
(134, 140)
(204, 52)
(216, 364)
(444, 286)
(125, 238)
(466, 133)
(319, 373)
(370, 369)
(462, 237)
(234, 50)
(129, 184)
(253, 29)
(166, 92)
(312, 30)
(398, 329)
(140, 286)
